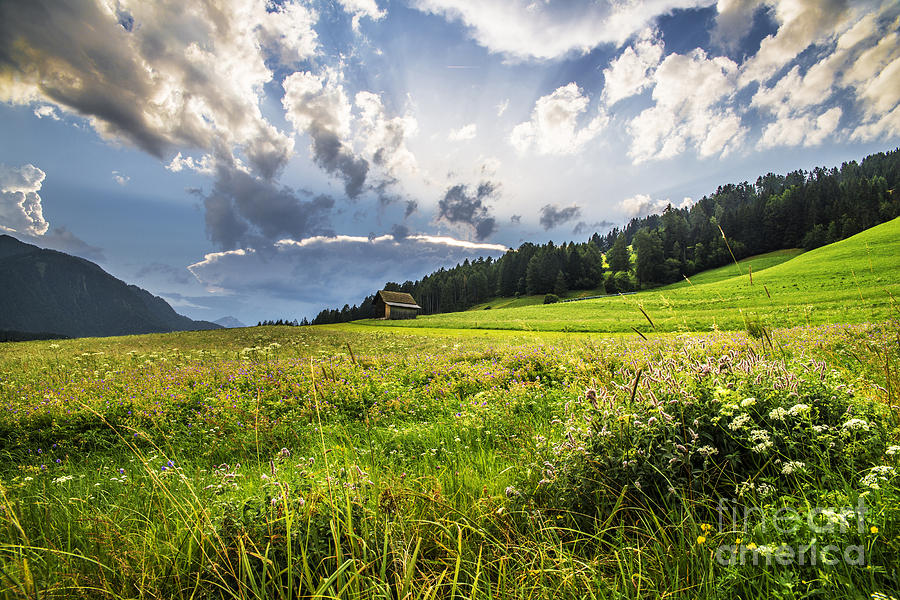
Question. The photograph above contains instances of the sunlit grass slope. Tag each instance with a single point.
(755, 264)
(855, 280)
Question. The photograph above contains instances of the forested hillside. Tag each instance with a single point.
(800, 209)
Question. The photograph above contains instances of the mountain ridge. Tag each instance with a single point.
(54, 293)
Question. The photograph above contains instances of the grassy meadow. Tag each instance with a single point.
(852, 281)
(755, 459)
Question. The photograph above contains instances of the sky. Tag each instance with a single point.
(266, 160)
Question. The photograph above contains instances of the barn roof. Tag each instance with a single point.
(398, 299)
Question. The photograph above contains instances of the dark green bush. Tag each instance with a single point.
(706, 438)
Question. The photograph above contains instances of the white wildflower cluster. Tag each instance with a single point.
(878, 475)
(762, 490)
(792, 466)
(892, 450)
(63, 479)
(707, 451)
(820, 429)
(747, 402)
(761, 439)
(798, 410)
(833, 517)
(856, 425)
(739, 422)
(777, 414)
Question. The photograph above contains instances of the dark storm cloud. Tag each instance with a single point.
(336, 159)
(58, 47)
(120, 69)
(460, 205)
(399, 231)
(242, 208)
(600, 227)
(551, 215)
(387, 198)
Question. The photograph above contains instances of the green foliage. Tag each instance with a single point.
(648, 264)
(617, 258)
(551, 299)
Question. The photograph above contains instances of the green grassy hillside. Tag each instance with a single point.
(755, 264)
(852, 281)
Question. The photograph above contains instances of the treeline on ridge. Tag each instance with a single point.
(800, 209)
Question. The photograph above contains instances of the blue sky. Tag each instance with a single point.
(268, 160)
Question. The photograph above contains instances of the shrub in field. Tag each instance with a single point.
(755, 432)
(737, 478)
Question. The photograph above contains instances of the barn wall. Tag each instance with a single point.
(398, 312)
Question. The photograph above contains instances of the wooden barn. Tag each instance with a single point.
(395, 305)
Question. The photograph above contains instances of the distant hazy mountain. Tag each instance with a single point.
(54, 293)
(229, 322)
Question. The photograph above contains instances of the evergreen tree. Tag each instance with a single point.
(617, 257)
(649, 257)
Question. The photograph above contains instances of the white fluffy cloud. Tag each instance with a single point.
(695, 95)
(630, 73)
(20, 204)
(46, 111)
(539, 29)
(466, 132)
(692, 95)
(641, 205)
(806, 130)
(801, 23)
(22, 213)
(205, 165)
(362, 8)
(554, 125)
(793, 93)
(317, 102)
(383, 138)
(862, 63)
(734, 18)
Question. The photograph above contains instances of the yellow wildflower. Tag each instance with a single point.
(701, 539)
(873, 529)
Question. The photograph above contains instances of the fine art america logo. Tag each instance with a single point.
(788, 521)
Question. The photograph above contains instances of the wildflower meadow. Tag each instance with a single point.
(282, 462)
